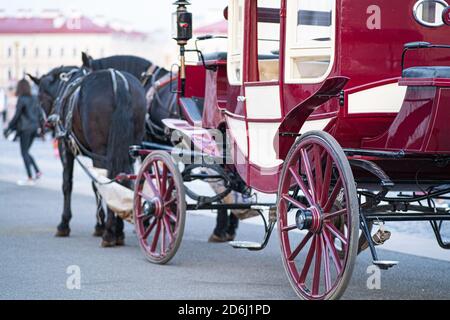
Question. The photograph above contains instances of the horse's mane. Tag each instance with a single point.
(131, 64)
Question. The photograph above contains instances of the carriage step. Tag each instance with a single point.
(384, 264)
(252, 246)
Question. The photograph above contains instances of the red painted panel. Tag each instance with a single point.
(195, 75)
(421, 125)
(439, 139)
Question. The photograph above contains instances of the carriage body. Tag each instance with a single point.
(319, 108)
(253, 91)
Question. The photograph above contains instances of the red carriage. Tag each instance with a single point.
(322, 103)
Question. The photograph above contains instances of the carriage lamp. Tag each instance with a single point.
(182, 33)
(446, 16)
(182, 23)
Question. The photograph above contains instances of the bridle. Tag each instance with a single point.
(65, 78)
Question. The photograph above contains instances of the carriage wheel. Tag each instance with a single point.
(318, 257)
(159, 208)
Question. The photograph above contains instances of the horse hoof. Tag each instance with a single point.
(98, 233)
(120, 242)
(64, 233)
(108, 244)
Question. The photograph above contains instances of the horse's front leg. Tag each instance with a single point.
(67, 160)
(100, 215)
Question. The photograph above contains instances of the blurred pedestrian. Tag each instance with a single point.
(26, 122)
(3, 105)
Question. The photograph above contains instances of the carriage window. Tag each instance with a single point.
(310, 40)
(236, 43)
(429, 12)
(268, 39)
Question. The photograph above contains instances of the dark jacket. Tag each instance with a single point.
(28, 116)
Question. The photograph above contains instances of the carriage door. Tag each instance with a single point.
(261, 80)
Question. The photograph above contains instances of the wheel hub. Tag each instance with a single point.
(153, 207)
(159, 208)
(309, 219)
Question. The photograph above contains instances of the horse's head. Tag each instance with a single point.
(50, 85)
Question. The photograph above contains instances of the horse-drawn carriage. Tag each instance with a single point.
(321, 102)
(317, 101)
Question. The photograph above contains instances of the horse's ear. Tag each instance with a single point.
(87, 59)
(37, 81)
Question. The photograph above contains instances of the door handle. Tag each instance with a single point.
(241, 99)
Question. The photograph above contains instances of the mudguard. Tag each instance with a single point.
(293, 122)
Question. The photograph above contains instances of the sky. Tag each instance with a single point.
(143, 15)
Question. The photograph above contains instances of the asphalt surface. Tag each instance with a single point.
(33, 263)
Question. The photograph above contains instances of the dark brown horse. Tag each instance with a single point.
(159, 86)
(106, 115)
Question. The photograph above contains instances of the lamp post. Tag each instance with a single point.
(182, 33)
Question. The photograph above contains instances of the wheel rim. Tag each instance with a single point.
(157, 210)
(315, 253)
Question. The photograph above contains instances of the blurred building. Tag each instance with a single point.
(36, 43)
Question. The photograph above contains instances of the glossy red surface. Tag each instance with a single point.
(196, 74)
(421, 126)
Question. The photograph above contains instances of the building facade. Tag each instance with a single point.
(36, 44)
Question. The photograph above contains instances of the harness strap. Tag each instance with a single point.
(114, 74)
(114, 80)
(152, 93)
(91, 176)
(73, 101)
(77, 149)
(149, 73)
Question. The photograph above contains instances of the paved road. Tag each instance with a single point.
(33, 263)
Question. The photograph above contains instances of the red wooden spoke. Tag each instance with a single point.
(164, 181)
(156, 237)
(294, 202)
(309, 175)
(289, 228)
(334, 254)
(149, 180)
(326, 263)
(143, 217)
(170, 214)
(327, 181)
(146, 196)
(318, 172)
(168, 228)
(336, 233)
(299, 248)
(302, 185)
(317, 266)
(330, 202)
(149, 230)
(169, 202)
(308, 262)
(157, 175)
(169, 189)
(334, 214)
